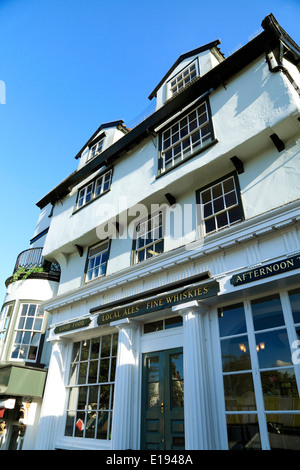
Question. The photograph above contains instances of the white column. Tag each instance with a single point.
(123, 410)
(195, 377)
(54, 398)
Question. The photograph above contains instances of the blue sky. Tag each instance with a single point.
(70, 65)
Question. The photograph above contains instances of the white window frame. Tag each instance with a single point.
(97, 261)
(103, 183)
(144, 247)
(253, 335)
(206, 198)
(186, 137)
(5, 317)
(25, 332)
(88, 359)
(94, 189)
(183, 78)
(95, 149)
(85, 195)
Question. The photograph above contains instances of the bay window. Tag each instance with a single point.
(186, 137)
(28, 333)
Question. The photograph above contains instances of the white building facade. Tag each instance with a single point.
(176, 321)
(24, 352)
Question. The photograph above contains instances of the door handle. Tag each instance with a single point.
(162, 408)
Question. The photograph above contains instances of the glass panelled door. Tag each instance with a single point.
(163, 400)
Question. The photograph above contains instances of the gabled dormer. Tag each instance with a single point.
(106, 135)
(187, 68)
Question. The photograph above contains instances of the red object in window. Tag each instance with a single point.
(79, 425)
(2, 411)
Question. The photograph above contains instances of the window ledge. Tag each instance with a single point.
(76, 443)
(92, 280)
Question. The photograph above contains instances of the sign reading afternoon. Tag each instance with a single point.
(268, 270)
(199, 292)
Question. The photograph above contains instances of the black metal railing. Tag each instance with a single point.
(32, 258)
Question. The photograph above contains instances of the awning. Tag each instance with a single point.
(17, 380)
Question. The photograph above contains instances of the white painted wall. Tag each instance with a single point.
(254, 104)
(271, 179)
(233, 250)
(38, 289)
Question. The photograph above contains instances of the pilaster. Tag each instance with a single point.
(54, 398)
(123, 411)
(195, 377)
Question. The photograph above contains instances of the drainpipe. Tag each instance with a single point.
(276, 66)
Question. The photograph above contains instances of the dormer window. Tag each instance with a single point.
(183, 78)
(95, 149)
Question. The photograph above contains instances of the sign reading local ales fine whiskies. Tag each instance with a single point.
(261, 272)
(160, 302)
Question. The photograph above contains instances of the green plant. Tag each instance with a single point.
(24, 273)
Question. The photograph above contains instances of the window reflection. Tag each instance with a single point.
(284, 431)
(295, 304)
(243, 432)
(235, 354)
(267, 312)
(177, 380)
(280, 390)
(269, 344)
(153, 373)
(232, 320)
(239, 392)
(273, 349)
(90, 404)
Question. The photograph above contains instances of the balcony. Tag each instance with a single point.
(31, 264)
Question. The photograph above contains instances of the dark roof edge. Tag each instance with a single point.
(180, 59)
(211, 80)
(271, 25)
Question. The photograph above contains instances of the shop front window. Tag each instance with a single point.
(91, 388)
(260, 381)
(240, 402)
